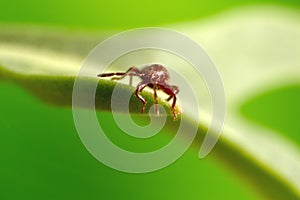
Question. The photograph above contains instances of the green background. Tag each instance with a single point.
(42, 156)
(117, 14)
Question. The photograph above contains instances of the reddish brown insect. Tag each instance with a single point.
(154, 76)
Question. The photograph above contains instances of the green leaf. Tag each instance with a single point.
(49, 73)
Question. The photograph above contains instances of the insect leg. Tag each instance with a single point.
(173, 106)
(172, 90)
(169, 98)
(111, 74)
(175, 90)
(132, 71)
(155, 100)
(138, 89)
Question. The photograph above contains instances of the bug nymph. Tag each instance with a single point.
(154, 76)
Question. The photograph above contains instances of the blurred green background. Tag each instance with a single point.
(42, 156)
(117, 14)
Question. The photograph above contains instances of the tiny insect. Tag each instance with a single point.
(154, 76)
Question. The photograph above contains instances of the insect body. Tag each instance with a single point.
(154, 76)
